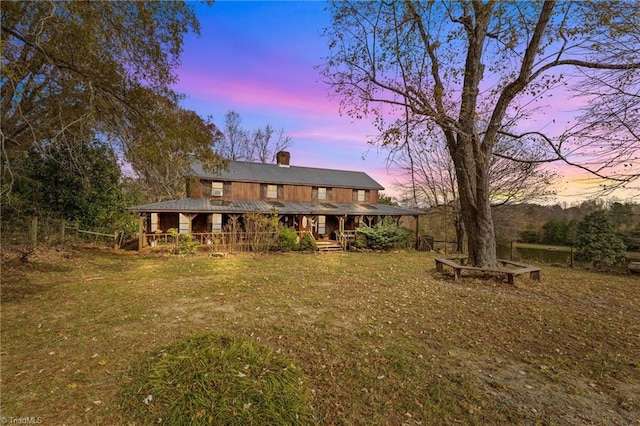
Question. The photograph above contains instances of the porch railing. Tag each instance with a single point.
(227, 242)
(346, 238)
(230, 242)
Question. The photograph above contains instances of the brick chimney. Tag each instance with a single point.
(283, 158)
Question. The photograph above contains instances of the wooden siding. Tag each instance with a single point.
(300, 193)
(245, 191)
(342, 195)
(297, 193)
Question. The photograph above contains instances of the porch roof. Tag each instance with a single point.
(204, 205)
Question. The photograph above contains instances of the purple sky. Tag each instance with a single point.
(258, 58)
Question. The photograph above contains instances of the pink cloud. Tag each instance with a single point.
(254, 94)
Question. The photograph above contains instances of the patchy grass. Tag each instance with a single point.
(381, 338)
(216, 379)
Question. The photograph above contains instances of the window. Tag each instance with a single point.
(360, 195)
(322, 225)
(217, 189)
(322, 193)
(272, 191)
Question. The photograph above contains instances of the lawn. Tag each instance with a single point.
(380, 337)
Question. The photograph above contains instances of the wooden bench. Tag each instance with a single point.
(534, 273)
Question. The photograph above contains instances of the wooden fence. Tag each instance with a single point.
(117, 236)
(36, 230)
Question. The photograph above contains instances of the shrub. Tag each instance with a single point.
(260, 231)
(558, 231)
(554, 231)
(220, 380)
(287, 239)
(529, 236)
(383, 236)
(183, 243)
(307, 243)
(596, 241)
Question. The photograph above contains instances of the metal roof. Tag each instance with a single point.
(291, 175)
(205, 205)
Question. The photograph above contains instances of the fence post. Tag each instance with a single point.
(34, 230)
(115, 240)
(572, 255)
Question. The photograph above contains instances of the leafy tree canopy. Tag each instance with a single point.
(58, 185)
(162, 142)
(73, 71)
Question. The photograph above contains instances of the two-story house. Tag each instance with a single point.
(324, 202)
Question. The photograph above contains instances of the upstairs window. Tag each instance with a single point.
(321, 194)
(270, 191)
(217, 189)
(360, 195)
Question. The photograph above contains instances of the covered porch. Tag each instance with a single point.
(227, 224)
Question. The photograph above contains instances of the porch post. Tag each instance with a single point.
(185, 226)
(141, 232)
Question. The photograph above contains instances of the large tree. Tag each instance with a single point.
(73, 71)
(451, 64)
(429, 178)
(161, 143)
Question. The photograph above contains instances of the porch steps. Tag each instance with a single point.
(329, 245)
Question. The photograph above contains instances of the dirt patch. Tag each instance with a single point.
(539, 392)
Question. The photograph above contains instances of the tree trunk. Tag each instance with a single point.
(472, 172)
(480, 235)
(460, 232)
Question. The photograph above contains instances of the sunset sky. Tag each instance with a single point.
(259, 59)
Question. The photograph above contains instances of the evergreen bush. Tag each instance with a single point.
(596, 241)
(383, 236)
(307, 243)
(287, 239)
